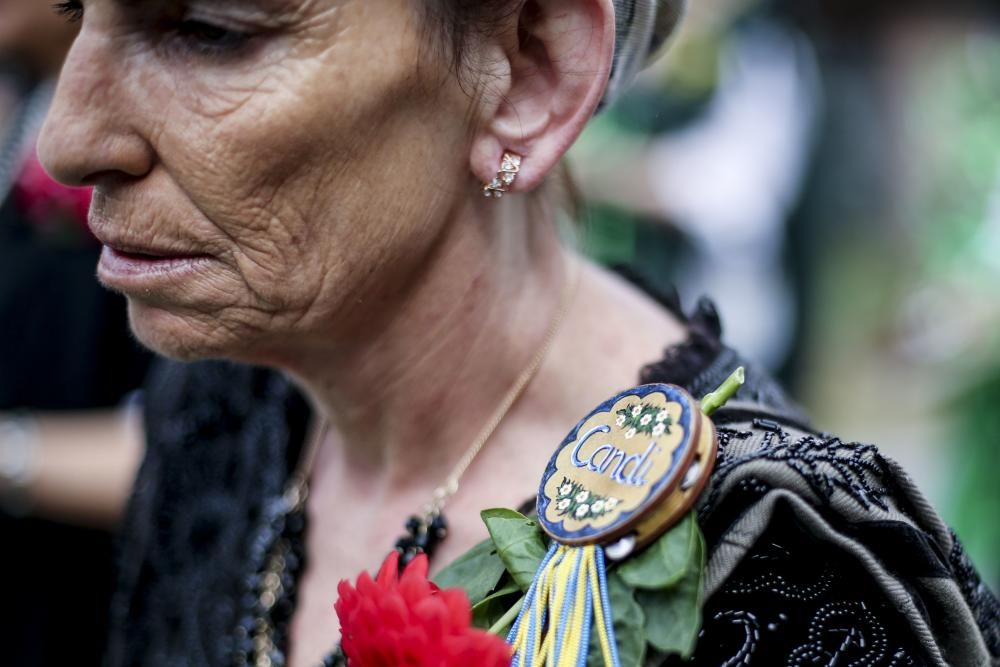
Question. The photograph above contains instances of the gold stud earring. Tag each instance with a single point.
(509, 168)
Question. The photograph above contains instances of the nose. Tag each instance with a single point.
(91, 133)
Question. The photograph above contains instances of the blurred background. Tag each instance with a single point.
(827, 171)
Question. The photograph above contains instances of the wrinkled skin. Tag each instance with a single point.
(312, 166)
(322, 181)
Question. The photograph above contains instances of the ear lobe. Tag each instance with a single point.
(558, 71)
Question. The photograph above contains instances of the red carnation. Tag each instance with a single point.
(409, 622)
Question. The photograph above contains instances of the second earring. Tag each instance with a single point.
(509, 168)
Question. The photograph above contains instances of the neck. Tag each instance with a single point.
(407, 398)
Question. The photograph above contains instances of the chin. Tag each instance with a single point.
(185, 337)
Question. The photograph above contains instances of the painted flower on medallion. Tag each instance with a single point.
(576, 501)
(644, 418)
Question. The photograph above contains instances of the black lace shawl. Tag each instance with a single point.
(223, 438)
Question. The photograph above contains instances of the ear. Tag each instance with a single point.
(544, 84)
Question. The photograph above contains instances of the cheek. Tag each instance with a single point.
(318, 172)
(322, 175)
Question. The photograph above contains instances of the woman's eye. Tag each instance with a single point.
(209, 38)
(195, 35)
(72, 11)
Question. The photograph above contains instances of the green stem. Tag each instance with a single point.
(721, 396)
(508, 619)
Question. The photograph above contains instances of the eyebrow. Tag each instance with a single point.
(273, 9)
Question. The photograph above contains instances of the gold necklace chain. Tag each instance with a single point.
(261, 634)
(451, 485)
(298, 488)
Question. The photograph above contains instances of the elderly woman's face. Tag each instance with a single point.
(265, 169)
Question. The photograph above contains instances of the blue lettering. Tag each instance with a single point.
(619, 454)
(630, 470)
(645, 463)
(608, 452)
(575, 454)
(619, 474)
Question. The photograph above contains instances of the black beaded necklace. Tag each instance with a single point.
(278, 552)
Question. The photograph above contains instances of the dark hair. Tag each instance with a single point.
(457, 22)
(452, 25)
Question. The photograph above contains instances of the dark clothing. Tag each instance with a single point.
(65, 339)
(64, 345)
(223, 438)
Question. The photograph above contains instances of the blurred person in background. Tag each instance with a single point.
(351, 272)
(67, 452)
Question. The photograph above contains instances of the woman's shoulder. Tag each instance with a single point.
(809, 533)
(838, 535)
(794, 519)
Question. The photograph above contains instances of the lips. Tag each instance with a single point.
(137, 260)
(131, 268)
(137, 247)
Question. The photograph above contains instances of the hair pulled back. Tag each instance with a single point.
(458, 22)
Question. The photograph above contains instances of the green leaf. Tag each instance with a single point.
(665, 562)
(628, 619)
(673, 616)
(478, 571)
(518, 541)
(492, 608)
